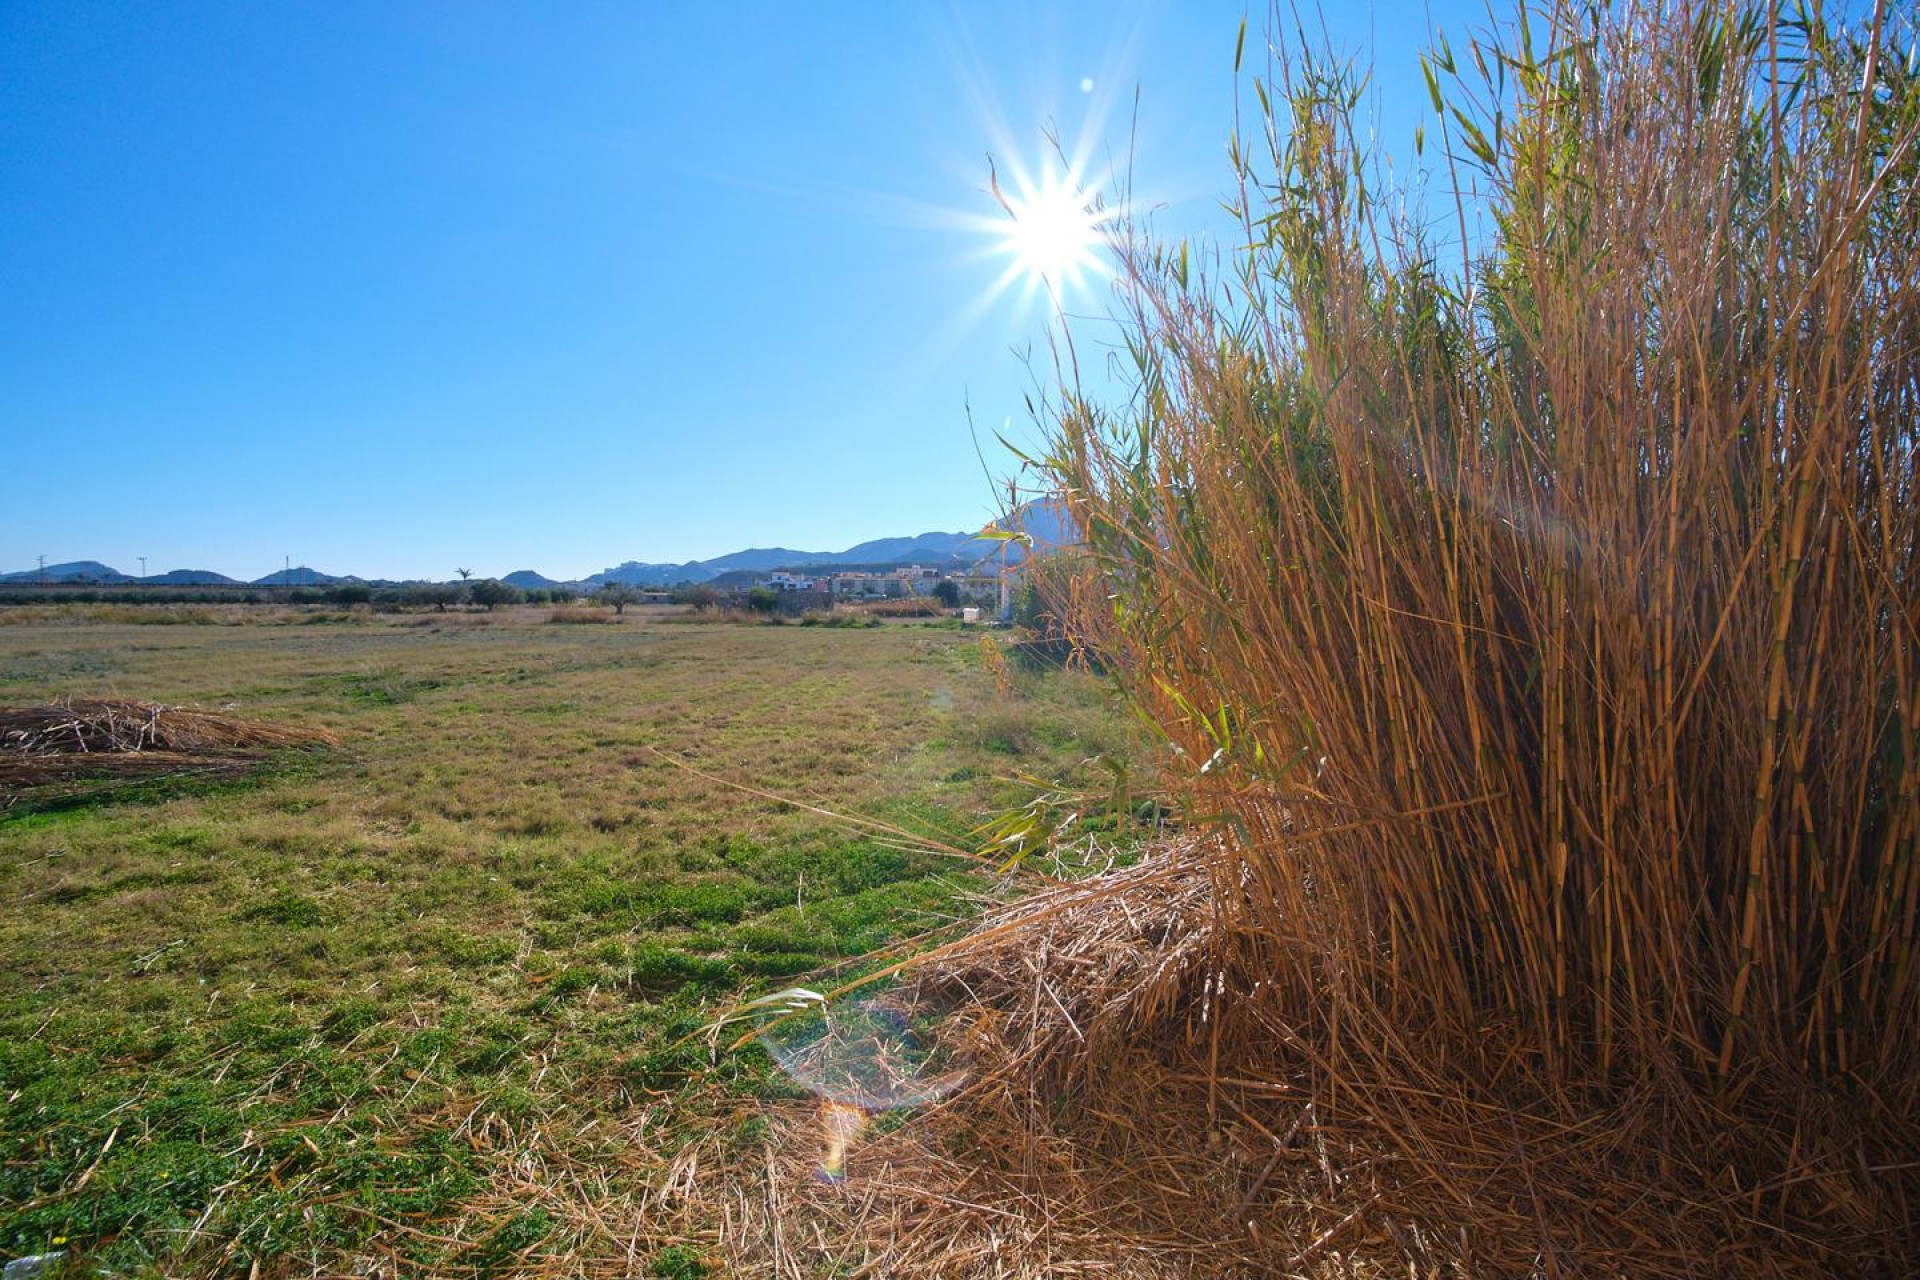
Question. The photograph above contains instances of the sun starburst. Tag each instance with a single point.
(1055, 231)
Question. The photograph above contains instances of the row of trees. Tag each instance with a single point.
(486, 593)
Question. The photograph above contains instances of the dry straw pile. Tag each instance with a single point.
(1535, 619)
(77, 738)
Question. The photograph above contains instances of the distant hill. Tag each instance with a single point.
(300, 576)
(72, 571)
(190, 578)
(925, 548)
(638, 574)
(763, 558)
(528, 580)
(932, 549)
(1047, 524)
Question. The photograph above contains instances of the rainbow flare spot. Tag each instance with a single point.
(843, 1123)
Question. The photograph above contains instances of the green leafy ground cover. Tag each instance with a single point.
(364, 1009)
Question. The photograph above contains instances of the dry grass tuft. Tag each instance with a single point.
(1087, 1142)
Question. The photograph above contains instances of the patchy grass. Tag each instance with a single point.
(383, 1005)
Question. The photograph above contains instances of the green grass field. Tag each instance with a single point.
(376, 1008)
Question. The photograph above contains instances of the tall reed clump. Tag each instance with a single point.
(1540, 616)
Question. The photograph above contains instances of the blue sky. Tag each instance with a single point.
(392, 288)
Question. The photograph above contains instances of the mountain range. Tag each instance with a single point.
(1045, 523)
(92, 572)
(932, 549)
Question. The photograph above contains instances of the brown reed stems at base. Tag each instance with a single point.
(1538, 621)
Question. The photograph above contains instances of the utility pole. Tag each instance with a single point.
(1006, 584)
(143, 565)
(43, 571)
(286, 571)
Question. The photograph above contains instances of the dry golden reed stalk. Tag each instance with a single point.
(1537, 618)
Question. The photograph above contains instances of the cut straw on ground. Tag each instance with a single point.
(75, 739)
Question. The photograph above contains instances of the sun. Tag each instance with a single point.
(1055, 230)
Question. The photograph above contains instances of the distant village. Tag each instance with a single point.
(984, 587)
(895, 582)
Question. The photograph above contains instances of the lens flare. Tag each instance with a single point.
(860, 1057)
(877, 1054)
(843, 1124)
